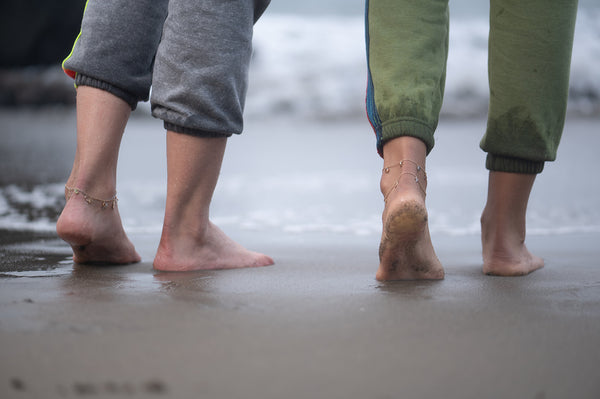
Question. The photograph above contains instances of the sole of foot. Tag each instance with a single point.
(406, 251)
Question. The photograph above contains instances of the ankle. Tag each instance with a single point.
(498, 242)
(176, 233)
(497, 226)
(103, 203)
(403, 176)
(101, 185)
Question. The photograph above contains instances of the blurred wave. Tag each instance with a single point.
(312, 64)
(316, 67)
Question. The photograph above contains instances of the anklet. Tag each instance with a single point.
(386, 170)
(71, 191)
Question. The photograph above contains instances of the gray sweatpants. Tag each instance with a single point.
(194, 53)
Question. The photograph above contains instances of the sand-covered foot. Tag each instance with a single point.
(95, 233)
(406, 251)
(214, 250)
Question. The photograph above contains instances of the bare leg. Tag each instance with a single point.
(189, 240)
(406, 251)
(96, 233)
(503, 226)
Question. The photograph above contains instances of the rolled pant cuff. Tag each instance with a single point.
(406, 127)
(499, 163)
(193, 132)
(84, 80)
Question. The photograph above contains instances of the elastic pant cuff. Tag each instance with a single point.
(499, 163)
(406, 127)
(83, 80)
(193, 132)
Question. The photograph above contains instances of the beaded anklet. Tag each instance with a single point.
(71, 191)
(386, 170)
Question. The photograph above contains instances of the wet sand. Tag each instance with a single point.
(315, 325)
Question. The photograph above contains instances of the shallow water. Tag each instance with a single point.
(292, 178)
(306, 164)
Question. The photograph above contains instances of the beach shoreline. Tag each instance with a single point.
(317, 323)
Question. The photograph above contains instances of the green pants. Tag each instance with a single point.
(529, 58)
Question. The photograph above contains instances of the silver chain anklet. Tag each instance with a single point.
(71, 191)
(386, 170)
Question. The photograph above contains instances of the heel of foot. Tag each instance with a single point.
(75, 240)
(410, 218)
(406, 251)
(408, 268)
(72, 234)
(94, 235)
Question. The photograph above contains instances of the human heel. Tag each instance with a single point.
(92, 227)
(405, 250)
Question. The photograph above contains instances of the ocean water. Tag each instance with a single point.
(306, 162)
(291, 179)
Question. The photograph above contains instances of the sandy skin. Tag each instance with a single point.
(406, 251)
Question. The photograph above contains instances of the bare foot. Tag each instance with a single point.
(213, 251)
(95, 234)
(504, 251)
(503, 226)
(406, 251)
